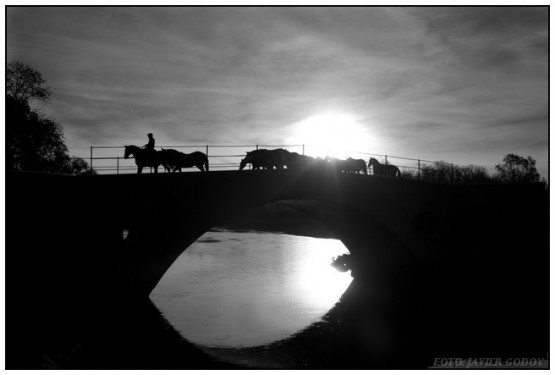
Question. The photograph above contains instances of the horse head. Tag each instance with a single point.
(127, 152)
(248, 159)
(243, 164)
(372, 162)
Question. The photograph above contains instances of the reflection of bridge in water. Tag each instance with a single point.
(465, 265)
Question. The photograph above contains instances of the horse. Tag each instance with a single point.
(348, 166)
(257, 161)
(178, 160)
(266, 159)
(143, 158)
(355, 166)
(335, 164)
(297, 161)
(384, 169)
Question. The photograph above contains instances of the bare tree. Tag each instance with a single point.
(473, 174)
(24, 83)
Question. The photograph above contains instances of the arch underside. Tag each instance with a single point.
(370, 242)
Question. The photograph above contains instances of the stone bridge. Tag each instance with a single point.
(474, 258)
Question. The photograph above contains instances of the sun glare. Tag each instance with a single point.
(331, 134)
(322, 284)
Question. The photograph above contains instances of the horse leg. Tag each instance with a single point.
(139, 169)
(206, 164)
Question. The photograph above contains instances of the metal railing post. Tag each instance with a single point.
(91, 159)
(303, 149)
(117, 165)
(385, 159)
(419, 176)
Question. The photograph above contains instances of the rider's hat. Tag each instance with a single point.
(149, 134)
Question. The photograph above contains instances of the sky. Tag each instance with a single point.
(467, 85)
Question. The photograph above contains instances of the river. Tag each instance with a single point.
(245, 289)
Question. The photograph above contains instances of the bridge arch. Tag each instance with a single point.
(380, 260)
(173, 224)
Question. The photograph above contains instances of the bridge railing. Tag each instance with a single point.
(110, 160)
(410, 167)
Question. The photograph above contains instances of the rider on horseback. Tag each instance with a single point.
(150, 145)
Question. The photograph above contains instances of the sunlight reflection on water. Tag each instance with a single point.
(247, 289)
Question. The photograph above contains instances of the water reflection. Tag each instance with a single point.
(247, 289)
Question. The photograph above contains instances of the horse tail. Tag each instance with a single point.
(206, 163)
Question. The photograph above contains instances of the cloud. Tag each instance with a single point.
(489, 37)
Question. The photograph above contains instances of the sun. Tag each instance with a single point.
(331, 135)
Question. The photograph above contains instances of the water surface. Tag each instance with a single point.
(234, 289)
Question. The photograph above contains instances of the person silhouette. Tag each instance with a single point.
(150, 145)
